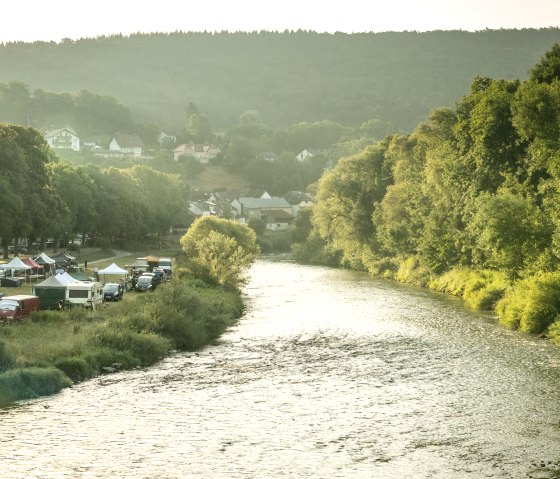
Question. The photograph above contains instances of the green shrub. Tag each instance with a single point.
(76, 368)
(532, 305)
(26, 383)
(146, 346)
(191, 314)
(554, 330)
(411, 271)
(481, 289)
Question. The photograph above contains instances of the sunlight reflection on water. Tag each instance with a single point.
(329, 374)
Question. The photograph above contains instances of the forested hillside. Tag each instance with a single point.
(288, 77)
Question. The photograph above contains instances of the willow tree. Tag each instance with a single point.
(219, 251)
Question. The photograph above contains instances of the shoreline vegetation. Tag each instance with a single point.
(52, 350)
(466, 204)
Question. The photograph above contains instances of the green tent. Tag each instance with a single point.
(51, 293)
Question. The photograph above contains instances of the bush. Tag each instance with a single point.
(411, 271)
(147, 347)
(77, 369)
(532, 305)
(481, 289)
(191, 313)
(27, 383)
(554, 330)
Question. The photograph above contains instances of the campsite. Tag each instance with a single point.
(63, 280)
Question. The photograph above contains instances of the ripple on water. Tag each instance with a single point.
(329, 374)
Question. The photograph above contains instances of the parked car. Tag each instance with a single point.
(144, 282)
(19, 306)
(159, 276)
(165, 264)
(113, 292)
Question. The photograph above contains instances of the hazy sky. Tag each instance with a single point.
(30, 20)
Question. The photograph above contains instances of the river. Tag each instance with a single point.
(329, 374)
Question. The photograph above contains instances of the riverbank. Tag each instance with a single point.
(530, 304)
(55, 349)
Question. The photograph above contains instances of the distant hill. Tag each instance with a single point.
(288, 77)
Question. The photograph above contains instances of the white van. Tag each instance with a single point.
(86, 293)
(165, 264)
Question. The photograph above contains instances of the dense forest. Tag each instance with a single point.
(289, 77)
(467, 203)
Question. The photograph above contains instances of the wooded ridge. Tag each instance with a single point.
(288, 77)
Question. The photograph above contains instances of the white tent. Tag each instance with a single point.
(44, 259)
(113, 269)
(16, 264)
(65, 278)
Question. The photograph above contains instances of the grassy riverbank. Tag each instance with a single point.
(530, 304)
(53, 349)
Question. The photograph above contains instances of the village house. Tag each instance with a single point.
(275, 211)
(127, 145)
(165, 139)
(63, 139)
(303, 155)
(299, 199)
(201, 152)
(209, 204)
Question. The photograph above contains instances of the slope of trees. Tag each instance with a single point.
(288, 77)
(474, 188)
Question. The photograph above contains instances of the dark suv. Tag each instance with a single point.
(113, 292)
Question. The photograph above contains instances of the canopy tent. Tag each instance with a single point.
(113, 268)
(80, 276)
(44, 259)
(65, 278)
(31, 262)
(14, 266)
(51, 293)
(64, 258)
(38, 270)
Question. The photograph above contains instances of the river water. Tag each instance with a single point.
(328, 375)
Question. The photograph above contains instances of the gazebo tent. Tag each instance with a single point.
(15, 265)
(80, 276)
(51, 292)
(65, 278)
(113, 269)
(36, 268)
(44, 259)
(64, 259)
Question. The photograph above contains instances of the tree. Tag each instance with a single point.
(510, 231)
(219, 251)
(548, 69)
(346, 199)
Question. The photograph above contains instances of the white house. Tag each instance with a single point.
(202, 152)
(130, 145)
(63, 139)
(303, 155)
(165, 138)
(273, 210)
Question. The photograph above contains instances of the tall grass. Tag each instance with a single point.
(53, 348)
(533, 304)
(481, 289)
